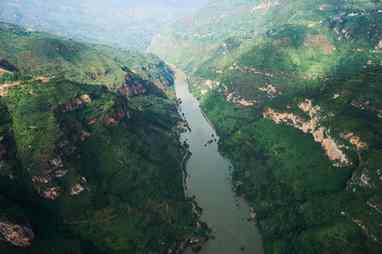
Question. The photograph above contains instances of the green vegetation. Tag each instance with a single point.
(86, 168)
(285, 53)
(41, 54)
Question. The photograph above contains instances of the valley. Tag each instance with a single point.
(209, 180)
(166, 127)
(293, 89)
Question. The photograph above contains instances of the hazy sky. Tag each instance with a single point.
(118, 22)
(39, 8)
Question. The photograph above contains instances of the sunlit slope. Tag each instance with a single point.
(297, 100)
(193, 40)
(45, 54)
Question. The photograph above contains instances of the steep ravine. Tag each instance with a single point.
(209, 181)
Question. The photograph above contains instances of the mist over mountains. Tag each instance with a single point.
(128, 24)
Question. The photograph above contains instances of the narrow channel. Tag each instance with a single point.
(209, 180)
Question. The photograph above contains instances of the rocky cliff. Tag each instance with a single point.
(90, 160)
(293, 88)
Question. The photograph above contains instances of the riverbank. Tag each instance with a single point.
(209, 182)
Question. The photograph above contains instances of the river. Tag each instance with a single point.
(209, 180)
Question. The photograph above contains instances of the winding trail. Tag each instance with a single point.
(209, 180)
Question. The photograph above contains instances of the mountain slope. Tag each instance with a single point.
(90, 160)
(296, 99)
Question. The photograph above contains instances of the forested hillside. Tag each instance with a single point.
(294, 90)
(90, 160)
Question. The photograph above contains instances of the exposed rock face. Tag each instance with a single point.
(334, 152)
(85, 98)
(115, 119)
(319, 135)
(133, 86)
(60, 173)
(76, 190)
(42, 79)
(211, 84)
(41, 179)
(240, 101)
(206, 85)
(312, 126)
(270, 90)
(92, 121)
(307, 107)
(17, 235)
(379, 45)
(3, 71)
(56, 163)
(280, 117)
(52, 193)
(355, 141)
(44, 183)
(84, 135)
(252, 215)
(132, 90)
(5, 87)
(41, 129)
(365, 180)
(246, 103)
(77, 103)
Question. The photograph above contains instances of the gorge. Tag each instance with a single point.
(264, 136)
(209, 180)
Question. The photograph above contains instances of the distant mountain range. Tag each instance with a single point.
(128, 24)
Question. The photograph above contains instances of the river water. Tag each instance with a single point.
(209, 180)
